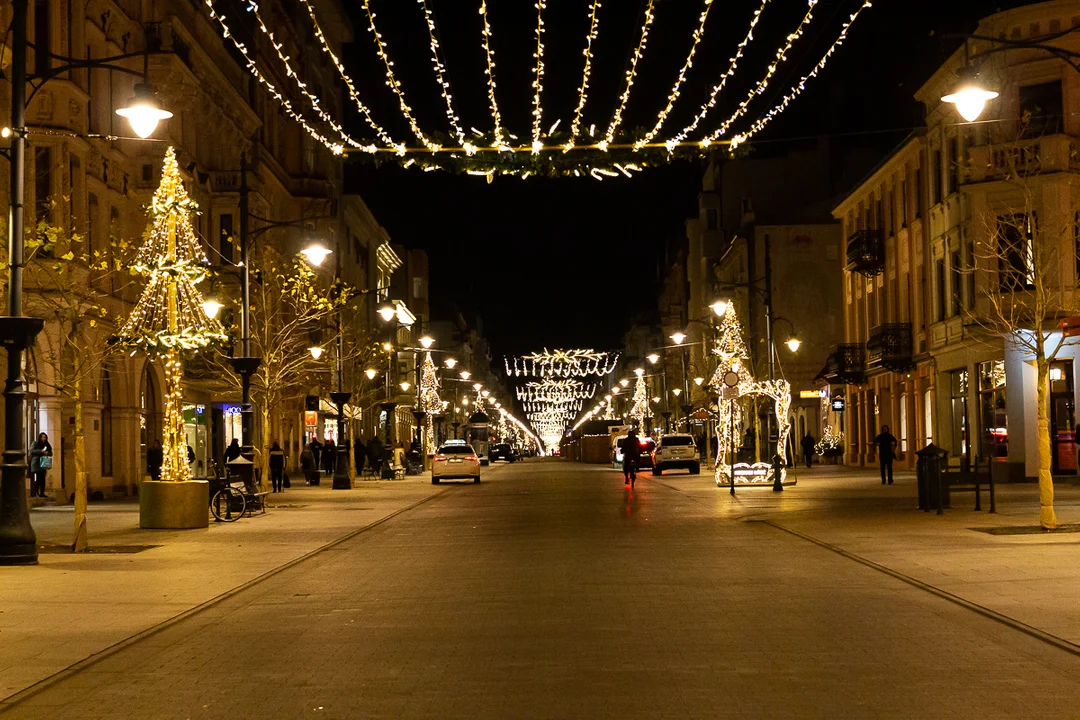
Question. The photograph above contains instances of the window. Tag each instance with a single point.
(42, 37)
(879, 214)
(417, 288)
(147, 173)
(1016, 262)
(903, 202)
(995, 422)
(957, 284)
(91, 220)
(43, 183)
(710, 220)
(890, 212)
(959, 447)
(935, 181)
(953, 161)
(1041, 109)
(225, 231)
(928, 416)
(903, 421)
(917, 200)
(939, 281)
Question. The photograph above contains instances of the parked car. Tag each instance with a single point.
(645, 460)
(503, 451)
(455, 460)
(676, 451)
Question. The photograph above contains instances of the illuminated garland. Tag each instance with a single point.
(831, 441)
(430, 402)
(594, 29)
(639, 51)
(538, 77)
(676, 88)
(364, 110)
(797, 89)
(168, 316)
(640, 408)
(440, 74)
(711, 102)
(550, 390)
(335, 148)
(563, 363)
(489, 70)
(763, 83)
(392, 81)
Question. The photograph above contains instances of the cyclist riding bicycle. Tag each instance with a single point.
(631, 450)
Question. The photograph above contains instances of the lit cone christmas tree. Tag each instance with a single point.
(168, 318)
(430, 402)
(640, 409)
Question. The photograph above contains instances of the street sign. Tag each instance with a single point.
(838, 403)
(731, 378)
(729, 393)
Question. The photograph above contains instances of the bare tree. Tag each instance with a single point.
(1023, 294)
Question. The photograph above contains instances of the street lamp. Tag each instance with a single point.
(624, 382)
(970, 97)
(465, 374)
(404, 385)
(793, 344)
(426, 342)
(719, 307)
(144, 112)
(371, 373)
(316, 352)
(211, 307)
(387, 311)
(639, 371)
(678, 337)
(450, 363)
(316, 253)
(698, 381)
(653, 358)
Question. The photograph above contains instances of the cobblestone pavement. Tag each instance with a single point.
(550, 590)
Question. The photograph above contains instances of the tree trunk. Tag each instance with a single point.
(264, 445)
(1047, 517)
(79, 537)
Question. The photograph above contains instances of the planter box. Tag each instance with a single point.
(174, 505)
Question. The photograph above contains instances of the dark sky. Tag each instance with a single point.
(571, 262)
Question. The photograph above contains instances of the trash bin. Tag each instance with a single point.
(928, 474)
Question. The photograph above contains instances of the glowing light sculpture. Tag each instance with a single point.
(168, 317)
(429, 400)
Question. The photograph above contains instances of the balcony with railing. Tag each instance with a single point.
(889, 346)
(1046, 154)
(846, 365)
(866, 252)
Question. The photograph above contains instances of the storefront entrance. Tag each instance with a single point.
(1062, 418)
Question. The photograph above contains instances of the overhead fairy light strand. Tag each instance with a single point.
(393, 83)
(364, 110)
(699, 32)
(781, 55)
(583, 91)
(286, 105)
(711, 102)
(797, 89)
(631, 73)
(489, 70)
(440, 75)
(538, 77)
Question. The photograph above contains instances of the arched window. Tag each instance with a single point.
(106, 425)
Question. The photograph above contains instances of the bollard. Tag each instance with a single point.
(777, 467)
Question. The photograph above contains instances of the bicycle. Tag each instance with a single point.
(228, 504)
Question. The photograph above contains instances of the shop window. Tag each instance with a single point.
(1062, 418)
(995, 421)
(903, 421)
(928, 416)
(960, 446)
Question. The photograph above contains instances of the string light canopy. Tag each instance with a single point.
(617, 152)
(555, 388)
(562, 363)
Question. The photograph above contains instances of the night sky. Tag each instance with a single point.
(572, 262)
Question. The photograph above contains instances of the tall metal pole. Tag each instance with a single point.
(342, 479)
(245, 365)
(777, 458)
(18, 543)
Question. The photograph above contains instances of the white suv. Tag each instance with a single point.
(676, 451)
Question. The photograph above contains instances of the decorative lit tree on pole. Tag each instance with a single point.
(430, 402)
(169, 318)
(640, 408)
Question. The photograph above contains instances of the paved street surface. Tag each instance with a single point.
(549, 590)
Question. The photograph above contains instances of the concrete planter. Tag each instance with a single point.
(174, 505)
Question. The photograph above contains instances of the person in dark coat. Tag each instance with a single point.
(329, 456)
(886, 445)
(233, 451)
(277, 467)
(808, 443)
(308, 466)
(375, 453)
(631, 453)
(359, 454)
(154, 460)
(316, 450)
(39, 450)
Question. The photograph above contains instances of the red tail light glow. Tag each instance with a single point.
(472, 458)
(440, 458)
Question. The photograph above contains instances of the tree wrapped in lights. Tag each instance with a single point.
(168, 318)
(640, 409)
(430, 402)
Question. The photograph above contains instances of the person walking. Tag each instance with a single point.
(40, 463)
(233, 451)
(631, 453)
(375, 454)
(359, 454)
(277, 467)
(886, 445)
(316, 450)
(154, 460)
(308, 465)
(808, 443)
(329, 456)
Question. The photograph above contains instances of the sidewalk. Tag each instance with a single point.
(1033, 579)
(72, 606)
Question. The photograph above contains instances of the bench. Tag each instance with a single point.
(968, 479)
(399, 471)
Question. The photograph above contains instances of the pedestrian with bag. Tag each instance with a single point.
(40, 463)
(329, 456)
(631, 453)
(277, 467)
(886, 445)
(808, 443)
